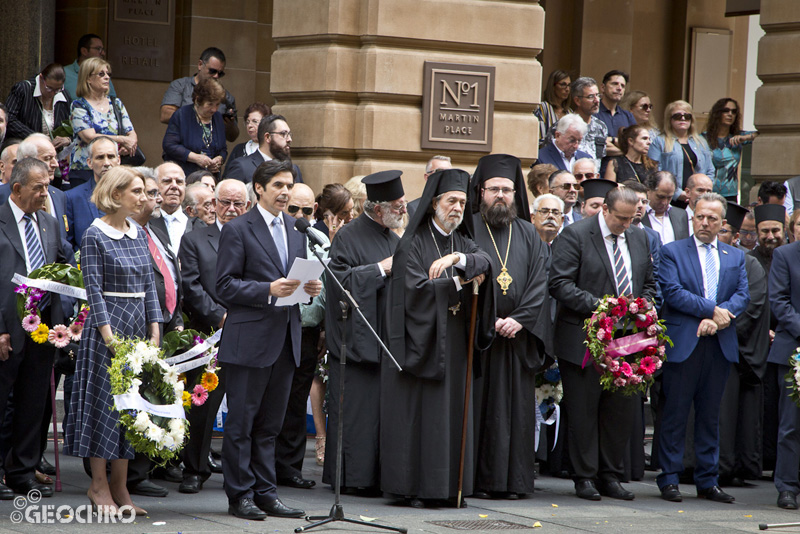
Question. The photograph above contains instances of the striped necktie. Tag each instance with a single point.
(711, 273)
(620, 272)
(35, 253)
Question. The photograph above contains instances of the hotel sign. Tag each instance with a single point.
(141, 39)
(457, 107)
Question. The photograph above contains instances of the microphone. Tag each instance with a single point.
(302, 226)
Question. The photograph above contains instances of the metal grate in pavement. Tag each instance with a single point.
(479, 524)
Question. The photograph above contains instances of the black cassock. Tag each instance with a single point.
(505, 401)
(355, 252)
(422, 407)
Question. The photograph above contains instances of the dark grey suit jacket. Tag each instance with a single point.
(198, 255)
(243, 168)
(581, 273)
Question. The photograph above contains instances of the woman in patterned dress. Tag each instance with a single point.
(726, 139)
(120, 288)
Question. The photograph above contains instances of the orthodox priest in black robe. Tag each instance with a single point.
(422, 407)
(361, 258)
(505, 401)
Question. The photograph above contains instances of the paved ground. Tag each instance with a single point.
(553, 506)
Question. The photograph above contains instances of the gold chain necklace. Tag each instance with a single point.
(504, 279)
(453, 309)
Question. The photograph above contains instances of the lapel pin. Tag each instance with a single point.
(725, 252)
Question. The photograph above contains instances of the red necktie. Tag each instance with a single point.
(169, 283)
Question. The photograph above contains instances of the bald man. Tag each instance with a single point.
(696, 186)
(8, 158)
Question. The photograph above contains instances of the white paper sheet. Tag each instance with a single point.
(305, 271)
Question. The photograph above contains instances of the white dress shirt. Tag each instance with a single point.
(567, 161)
(701, 254)
(663, 225)
(268, 218)
(622, 244)
(176, 227)
(690, 213)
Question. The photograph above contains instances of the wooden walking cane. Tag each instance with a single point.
(470, 347)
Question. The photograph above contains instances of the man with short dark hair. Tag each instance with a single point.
(771, 193)
(585, 98)
(274, 142)
(671, 223)
(179, 93)
(256, 251)
(615, 117)
(748, 233)
(89, 45)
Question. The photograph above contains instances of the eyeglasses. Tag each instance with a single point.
(293, 209)
(399, 208)
(729, 110)
(286, 134)
(547, 211)
(228, 203)
(724, 231)
(562, 85)
(584, 175)
(646, 107)
(53, 89)
(152, 193)
(502, 190)
(681, 116)
(216, 72)
(567, 187)
(102, 74)
(98, 48)
(595, 96)
(747, 233)
(253, 122)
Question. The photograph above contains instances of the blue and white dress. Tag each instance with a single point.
(117, 262)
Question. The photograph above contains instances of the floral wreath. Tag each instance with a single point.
(139, 376)
(28, 299)
(793, 376)
(549, 390)
(625, 363)
(208, 380)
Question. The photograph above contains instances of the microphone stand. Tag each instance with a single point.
(337, 510)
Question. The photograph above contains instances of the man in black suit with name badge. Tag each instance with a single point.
(260, 345)
(584, 269)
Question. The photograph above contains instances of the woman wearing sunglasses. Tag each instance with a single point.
(725, 139)
(680, 149)
(638, 103)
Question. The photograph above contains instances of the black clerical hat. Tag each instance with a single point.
(500, 166)
(735, 215)
(450, 180)
(770, 212)
(384, 186)
(597, 187)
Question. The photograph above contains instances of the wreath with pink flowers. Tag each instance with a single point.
(626, 342)
(29, 299)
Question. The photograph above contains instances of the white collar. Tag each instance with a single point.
(268, 217)
(700, 244)
(179, 215)
(441, 231)
(605, 230)
(263, 154)
(18, 213)
(132, 231)
(37, 92)
(219, 224)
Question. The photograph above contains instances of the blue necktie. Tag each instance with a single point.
(711, 272)
(277, 235)
(620, 272)
(35, 253)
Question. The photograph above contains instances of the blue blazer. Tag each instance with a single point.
(682, 288)
(80, 211)
(549, 154)
(784, 301)
(244, 168)
(184, 135)
(247, 262)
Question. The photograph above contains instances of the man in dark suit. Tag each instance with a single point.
(260, 345)
(29, 239)
(81, 211)
(671, 223)
(597, 256)
(198, 256)
(275, 142)
(704, 286)
(563, 150)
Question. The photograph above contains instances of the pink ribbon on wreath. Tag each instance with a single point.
(625, 346)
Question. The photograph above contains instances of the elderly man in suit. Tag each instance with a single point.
(81, 211)
(563, 151)
(274, 142)
(260, 345)
(671, 223)
(704, 287)
(29, 239)
(597, 256)
(198, 256)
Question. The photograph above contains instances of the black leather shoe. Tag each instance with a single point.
(613, 489)
(671, 493)
(45, 467)
(23, 488)
(6, 493)
(481, 494)
(246, 509)
(715, 493)
(170, 473)
(148, 489)
(276, 508)
(214, 465)
(787, 500)
(415, 503)
(297, 482)
(585, 489)
(191, 484)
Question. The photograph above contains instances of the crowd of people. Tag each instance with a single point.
(472, 288)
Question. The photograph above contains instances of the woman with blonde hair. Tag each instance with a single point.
(638, 103)
(95, 113)
(120, 289)
(359, 193)
(680, 149)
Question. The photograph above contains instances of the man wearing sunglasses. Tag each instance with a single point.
(566, 187)
(179, 93)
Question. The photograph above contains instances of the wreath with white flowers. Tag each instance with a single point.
(196, 350)
(793, 376)
(150, 399)
(54, 277)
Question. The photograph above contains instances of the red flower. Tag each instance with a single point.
(625, 368)
(619, 311)
(650, 351)
(647, 365)
(641, 303)
(622, 301)
(643, 323)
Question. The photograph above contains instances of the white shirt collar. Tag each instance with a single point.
(268, 217)
(651, 210)
(219, 225)
(37, 92)
(132, 231)
(605, 230)
(18, 213)
(179, 216)
(433, 223)
(263, 155)
(700, 244)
